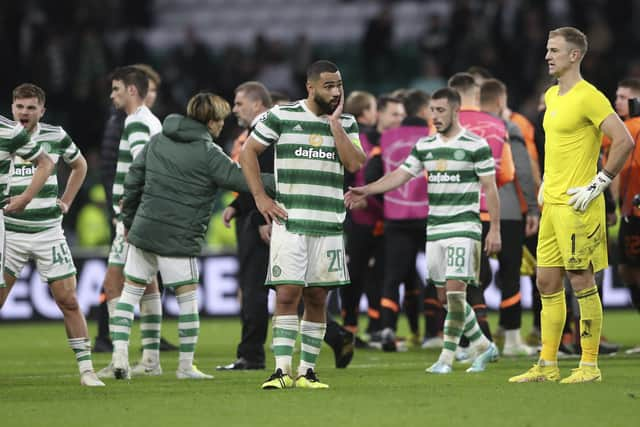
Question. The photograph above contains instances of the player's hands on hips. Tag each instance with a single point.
(354, 197)
(64, 208)
(265, 232)
(227, 215)
(541, 194)
(16, 204)
(270, 210)
(493, 242)
(582, 196)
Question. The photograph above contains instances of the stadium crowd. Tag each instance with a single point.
(471, 51)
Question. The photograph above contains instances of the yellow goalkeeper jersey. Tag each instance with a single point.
(572, 138)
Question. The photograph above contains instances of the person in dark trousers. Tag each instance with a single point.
(519, 216)
(363, 229)
(253, 235)
(405, 213)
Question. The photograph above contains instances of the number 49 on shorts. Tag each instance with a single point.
(60, 254)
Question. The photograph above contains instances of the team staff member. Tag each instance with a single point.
(626, 191)
(253, 234)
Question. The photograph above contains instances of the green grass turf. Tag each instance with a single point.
(39, 386)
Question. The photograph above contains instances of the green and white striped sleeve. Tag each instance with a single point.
(138, 134)
(483, 162)
(267, 130)
(353, 132)
(25, 147)
(413, 164)
(70, 152)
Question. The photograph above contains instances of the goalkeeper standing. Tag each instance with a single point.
(572, 236)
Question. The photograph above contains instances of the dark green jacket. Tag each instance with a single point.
(170, 188)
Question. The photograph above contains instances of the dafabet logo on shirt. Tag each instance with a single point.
(313, 153)
(442, 178)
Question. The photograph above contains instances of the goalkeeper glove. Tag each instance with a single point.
(582, 196)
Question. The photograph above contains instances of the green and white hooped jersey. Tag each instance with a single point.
(454, 168)
(308, 171)
(13, 141)
(139, 127)
(42, 213)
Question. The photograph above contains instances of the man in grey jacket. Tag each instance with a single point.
(167, 203)
(519, 217)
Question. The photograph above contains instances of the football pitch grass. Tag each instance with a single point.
(39, 386)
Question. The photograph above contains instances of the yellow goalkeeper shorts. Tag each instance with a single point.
(571, 239)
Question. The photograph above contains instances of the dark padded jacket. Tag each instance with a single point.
(170, 188)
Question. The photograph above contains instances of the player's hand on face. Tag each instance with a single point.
(16, 204)
(265, 232)
(64, 208)
(227, 215)
(270, 210)
(492, 243)
(531, 226)
(338, 111)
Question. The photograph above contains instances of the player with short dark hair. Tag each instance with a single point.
(314, 144)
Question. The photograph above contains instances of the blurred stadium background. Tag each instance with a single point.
(68, 47)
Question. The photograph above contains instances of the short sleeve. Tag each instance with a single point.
(25, 147)
(353, 132)
(597, 107)
(138, 134)
(69, 150)
(267, 129)
(413, 163)
(483, 163)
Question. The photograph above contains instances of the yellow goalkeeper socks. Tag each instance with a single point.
(552, 318)
(590, 324)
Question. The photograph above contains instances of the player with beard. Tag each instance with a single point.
(459, 163)
(314, 144)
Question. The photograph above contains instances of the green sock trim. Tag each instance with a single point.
(282, 350)
(150, 333)
(188, 332)
(452, 331)
(194, 317)
(308, 357)
(314, 342)
(451, 346)
(187, 348)
(285, 333)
